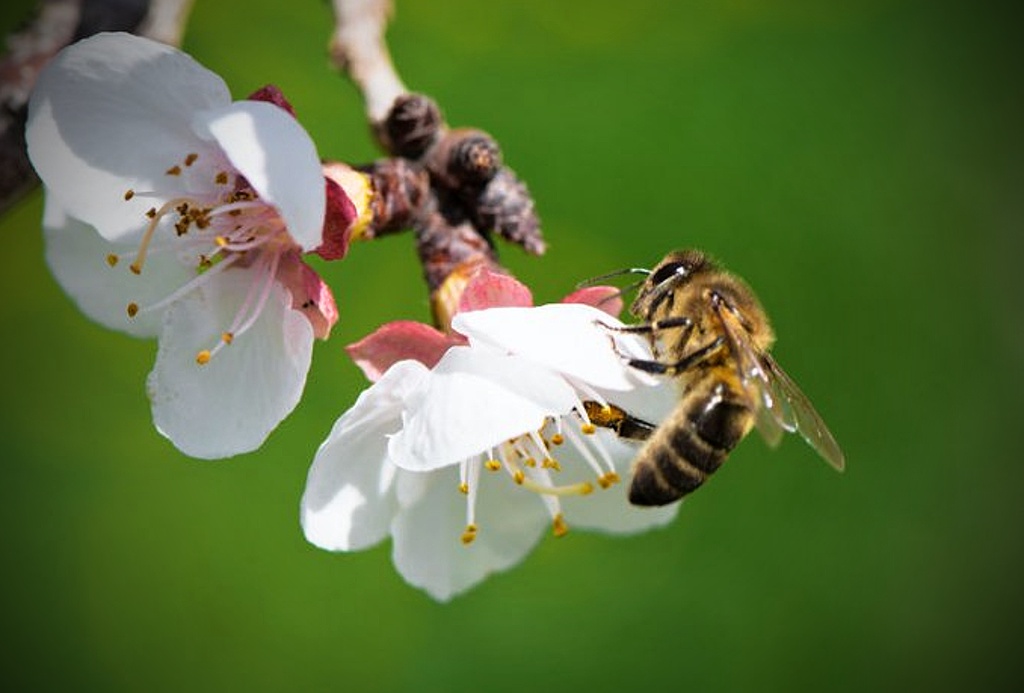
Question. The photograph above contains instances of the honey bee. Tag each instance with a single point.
(707, 330)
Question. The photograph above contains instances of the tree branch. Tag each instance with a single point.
(452, 189)
(358, 49)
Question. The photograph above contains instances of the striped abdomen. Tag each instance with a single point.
(693, 442)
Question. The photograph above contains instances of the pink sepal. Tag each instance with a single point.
(310, 294)
(339, 216)
(398, 341)
(487, 289)
(606, 298)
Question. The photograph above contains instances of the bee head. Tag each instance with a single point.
(674, 271)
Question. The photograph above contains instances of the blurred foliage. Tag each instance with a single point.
(859, 163)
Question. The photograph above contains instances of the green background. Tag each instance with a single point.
(860, 165)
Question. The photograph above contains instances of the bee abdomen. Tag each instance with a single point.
(721, 424)
(682, 457)
(661, 476)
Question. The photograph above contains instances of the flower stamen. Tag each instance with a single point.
(558, 526)
(147, 236)
(192, 284)
(582, 488)
(240, 325)
(585, 453)
(473, 482)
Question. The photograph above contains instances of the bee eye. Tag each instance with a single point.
(667, 271)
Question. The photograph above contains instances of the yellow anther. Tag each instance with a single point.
(203, 357)
(112, 259)
(551, 463)
(558, 526)
(133, 309)
(469, 534)
(606, 480)
(227, 337)
(191, 159)
(588, 429)
(530, 462)
(518, 476)
(492, 465)
(557, 439)
(464, 488)
(128, 194)
(221, 241)
(221, 179)
(173, 170)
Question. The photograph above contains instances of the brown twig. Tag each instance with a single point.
(453, 190)
(358, 49)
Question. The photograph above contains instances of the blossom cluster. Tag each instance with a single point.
(175, 212)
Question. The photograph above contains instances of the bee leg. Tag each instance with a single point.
(619, 420)
(632, 428)
(647, 328)
(661, 368)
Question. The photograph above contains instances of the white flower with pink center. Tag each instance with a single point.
(173, 212)
(465, 452)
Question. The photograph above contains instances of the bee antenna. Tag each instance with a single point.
(618, 294)
(617, 273)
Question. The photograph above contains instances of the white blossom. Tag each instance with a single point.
(173, 212)
(466, 463)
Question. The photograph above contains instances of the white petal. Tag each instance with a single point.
(349, 498)
(608, 510)
(77, 256)
(472, 401)
(566, 337)
(428, 551)
(231, 404)
(278, 158)
(113, 112)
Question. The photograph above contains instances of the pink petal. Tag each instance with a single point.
(271, 94)
(487, 289)
(310, 295)
(606, 298)
(399, 341)
(339, 217)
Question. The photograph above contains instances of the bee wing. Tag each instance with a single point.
(773, 415)
(808, 421)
